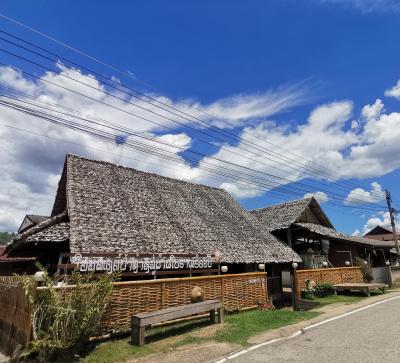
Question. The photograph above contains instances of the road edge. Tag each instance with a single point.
(303, 330)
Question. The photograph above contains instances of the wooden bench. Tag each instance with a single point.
(140, 321)
(361, 286)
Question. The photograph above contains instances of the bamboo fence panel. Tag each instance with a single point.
(333, 275)
(237, 292)
(15, 317)
(8, 279)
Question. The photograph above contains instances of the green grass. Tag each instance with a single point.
(116, 351)
(332, 299)
(238, 328)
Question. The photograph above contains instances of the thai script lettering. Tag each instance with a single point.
(135, 264)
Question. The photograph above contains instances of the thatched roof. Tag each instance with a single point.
(282, 216)
(37, 218)
(31, 220)
(114, 209)
(380, 230)
(54, 229)
(320, 230)
(331, 233)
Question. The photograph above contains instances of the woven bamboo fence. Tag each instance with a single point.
(333, 275)
(15, 316)
(8, 279)
(237, 292)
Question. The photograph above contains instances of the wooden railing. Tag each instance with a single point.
(333, 275)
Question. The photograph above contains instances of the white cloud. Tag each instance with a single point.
(372, 112)
(330, 115)
(321, 197)
(394, 91)
(30, 165)
(324, 141)
(381, 219)
(234, 111)
(367, 6)
(240, 191)
(359, 195)
(356, 233)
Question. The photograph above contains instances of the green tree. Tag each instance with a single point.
(6, 237)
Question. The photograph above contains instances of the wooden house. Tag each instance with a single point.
(104, 209)
(304, 226)
(31, 220)
(381, 233)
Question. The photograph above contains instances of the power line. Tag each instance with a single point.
(114, 68)
(202, 155)
(92, 131)
(271, 192)
(143, 118)
(219, 131)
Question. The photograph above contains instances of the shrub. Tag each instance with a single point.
(324, 289)
(307, 294)
(64, 317)
(366, 269)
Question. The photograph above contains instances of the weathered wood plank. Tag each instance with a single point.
(159, 316)
(140, 321)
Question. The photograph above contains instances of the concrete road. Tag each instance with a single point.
(371, 335)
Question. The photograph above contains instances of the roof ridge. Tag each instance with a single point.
(44, 224)
(283, 203)
(70, 155)
(37, 215)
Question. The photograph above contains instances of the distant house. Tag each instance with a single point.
(102, 208)
(381, 233)
(304, 226)
(31, 220)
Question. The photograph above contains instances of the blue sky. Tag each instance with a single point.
(315, 52)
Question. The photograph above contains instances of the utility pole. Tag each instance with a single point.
(392, 211)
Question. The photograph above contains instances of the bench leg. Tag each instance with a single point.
(137, 335)
(212, 317)
(220, 315)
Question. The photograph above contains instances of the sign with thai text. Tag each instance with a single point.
(137, 264)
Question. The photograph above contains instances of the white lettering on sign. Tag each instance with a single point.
(135, 265)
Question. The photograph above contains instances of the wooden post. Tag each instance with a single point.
(162, 295)
(222, 290)
(220, 315)
(289, 237)
(137, 333)
(294, 292)
(212, 317)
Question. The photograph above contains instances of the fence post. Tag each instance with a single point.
(162, 295)
(222, 289)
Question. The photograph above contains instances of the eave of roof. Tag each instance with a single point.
(6, 259)
(55, 229)
(333, 234)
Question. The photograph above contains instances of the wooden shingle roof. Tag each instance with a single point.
(282, 216)
(122, 210)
